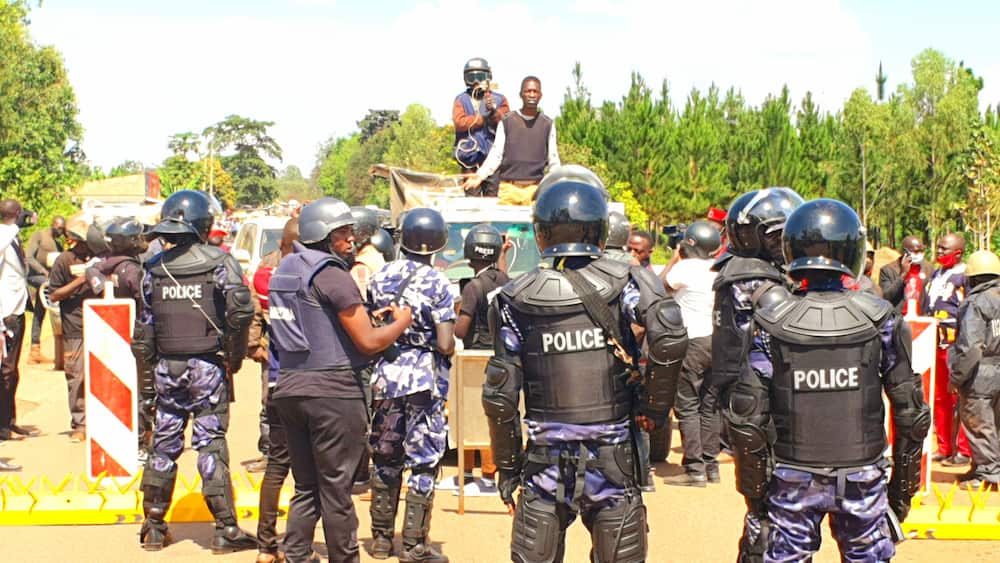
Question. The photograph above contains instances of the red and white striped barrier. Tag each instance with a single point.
(924, 360)
(112, 417)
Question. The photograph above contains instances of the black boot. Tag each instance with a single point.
(228, 539)
(385, 499)
(416, 525)
(157, 490)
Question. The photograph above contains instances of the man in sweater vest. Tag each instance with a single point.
(525, 145)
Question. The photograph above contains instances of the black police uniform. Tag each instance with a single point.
(974, 360)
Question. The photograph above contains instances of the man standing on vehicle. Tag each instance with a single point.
(476, 114)
(564, 337)
(525, 145)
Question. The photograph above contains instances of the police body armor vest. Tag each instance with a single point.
(187, 308)
(571, 374)
(307, 336)
(728, 351)
(826, 391)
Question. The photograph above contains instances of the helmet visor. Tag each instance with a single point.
(475, 76)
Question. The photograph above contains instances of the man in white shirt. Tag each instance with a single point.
(690, 277)
(13, 302)
(525, 145)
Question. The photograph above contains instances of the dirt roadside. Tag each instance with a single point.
(699, 525)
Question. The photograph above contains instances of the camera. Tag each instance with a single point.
(674, 234)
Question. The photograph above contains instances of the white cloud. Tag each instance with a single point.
(139, 80)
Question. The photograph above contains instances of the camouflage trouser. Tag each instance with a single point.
(409, 432)
(798, 501)
(187, 389)
(598, 488)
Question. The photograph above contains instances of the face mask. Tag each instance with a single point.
(916, 259)
(949, 260)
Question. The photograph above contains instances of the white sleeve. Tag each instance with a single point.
(676, 277)
(495, 157)
(553, 147)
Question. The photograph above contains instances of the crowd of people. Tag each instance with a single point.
(765, 334)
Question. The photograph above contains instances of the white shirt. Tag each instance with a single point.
(495, 157)
(13, 275)
(692, 279)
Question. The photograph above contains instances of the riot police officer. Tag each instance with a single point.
(974, 362)
(122, 268)
(189, 338)
(563, 335)
(619, 229)
(748, 277)
(409, 390)
(324, 340)
(807, 420)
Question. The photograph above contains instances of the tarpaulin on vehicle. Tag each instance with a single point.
(409, 189)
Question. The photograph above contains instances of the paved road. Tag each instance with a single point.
(686, 525)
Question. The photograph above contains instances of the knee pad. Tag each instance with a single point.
(537, 532)
(619, 532)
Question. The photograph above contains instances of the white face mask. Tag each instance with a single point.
(916, 258)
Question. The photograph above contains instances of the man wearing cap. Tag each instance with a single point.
(69, 288)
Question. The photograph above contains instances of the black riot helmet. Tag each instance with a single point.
(754, 220)
(382, 241)
(574, 172)
(483, 242)
(125, 236)
(619, 230)
(570, 219)
(366, 223)
(95, 241)
(701, 240)
(824, 235)
(424, 231)
(186, 212)
(321, 217)
(476, 71)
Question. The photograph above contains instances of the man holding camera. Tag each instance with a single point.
(904, 281)
(476, 114)
(410, 387)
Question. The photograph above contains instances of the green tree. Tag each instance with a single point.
(330, 174)
(127, 168)
(253, 177)
(40, 154)
(292, 185)
(419, 144)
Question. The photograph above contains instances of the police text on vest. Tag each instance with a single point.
(171, 292)
(833, 379)
(573, 340)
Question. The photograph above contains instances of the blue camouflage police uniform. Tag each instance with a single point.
(590, 490)
(409, 428)
(800, 494)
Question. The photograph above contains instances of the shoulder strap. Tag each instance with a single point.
(406, 282)
(598, 311)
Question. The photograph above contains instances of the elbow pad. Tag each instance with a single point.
(501, 394)
(666, 336)
(659, 391)
(751, 436)
(239, 308)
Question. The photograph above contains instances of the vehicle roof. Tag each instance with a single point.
(267, 221)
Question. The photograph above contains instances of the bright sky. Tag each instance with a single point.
(143, 71)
